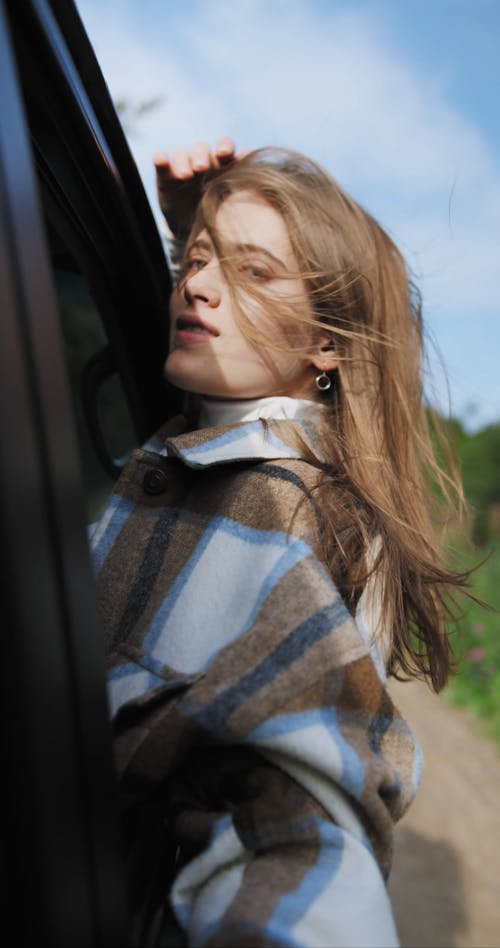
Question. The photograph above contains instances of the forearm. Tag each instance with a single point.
(279, 871)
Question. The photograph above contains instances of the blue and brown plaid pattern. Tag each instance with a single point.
(239, 679)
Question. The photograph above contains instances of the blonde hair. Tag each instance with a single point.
(381, 485)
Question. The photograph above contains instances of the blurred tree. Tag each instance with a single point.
(130, 112)
(480, 455)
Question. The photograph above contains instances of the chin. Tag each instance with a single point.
(181, 372)
(194, 385)
(178, 372)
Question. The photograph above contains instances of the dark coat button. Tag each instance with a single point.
(154, 481)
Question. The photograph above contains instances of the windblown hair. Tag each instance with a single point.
(383, 496)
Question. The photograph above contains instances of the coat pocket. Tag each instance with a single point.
(137, 681)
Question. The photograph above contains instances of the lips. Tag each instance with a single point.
(191, 328)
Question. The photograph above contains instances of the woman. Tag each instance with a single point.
(261, 572)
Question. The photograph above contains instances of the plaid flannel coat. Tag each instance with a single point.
(246, 698)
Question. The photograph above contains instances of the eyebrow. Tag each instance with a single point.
(202, 244)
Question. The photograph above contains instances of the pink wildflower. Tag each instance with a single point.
(476, 655)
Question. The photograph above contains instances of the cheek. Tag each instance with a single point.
(176, 300)
(174, 309)
(282, 327)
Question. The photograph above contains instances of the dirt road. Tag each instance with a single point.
(445, 884)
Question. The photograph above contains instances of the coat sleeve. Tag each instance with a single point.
(279, 870)
(302, 860)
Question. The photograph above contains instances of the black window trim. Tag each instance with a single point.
(83, 188)
(63, 879)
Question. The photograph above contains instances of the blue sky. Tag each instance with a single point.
(397, 98)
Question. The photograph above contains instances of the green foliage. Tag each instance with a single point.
(476, 643)
(476, 639)
(480, 455)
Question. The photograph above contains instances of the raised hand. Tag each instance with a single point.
(179, 179)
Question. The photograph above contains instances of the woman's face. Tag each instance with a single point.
(209, 354)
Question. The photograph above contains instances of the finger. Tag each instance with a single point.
(161, 161)
(201, 157)
(224, 150)
(163, 172)
(163, 179)
(180, 164)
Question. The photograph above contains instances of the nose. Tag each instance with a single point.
(202, 285)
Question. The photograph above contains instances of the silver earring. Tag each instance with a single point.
(323, 382)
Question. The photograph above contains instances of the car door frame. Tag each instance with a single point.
(61, 838)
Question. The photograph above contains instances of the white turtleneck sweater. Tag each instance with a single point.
(234, 411)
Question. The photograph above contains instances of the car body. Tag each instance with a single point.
(84, 288)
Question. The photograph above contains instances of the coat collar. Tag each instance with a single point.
(248, 441)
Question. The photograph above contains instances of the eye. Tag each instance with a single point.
(190, 266)
(256, 272)
(195, 263)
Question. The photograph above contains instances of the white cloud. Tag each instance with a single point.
(326, 81)
(134, 71)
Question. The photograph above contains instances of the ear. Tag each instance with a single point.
(324, 358)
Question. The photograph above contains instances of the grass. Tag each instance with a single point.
(476, 642)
